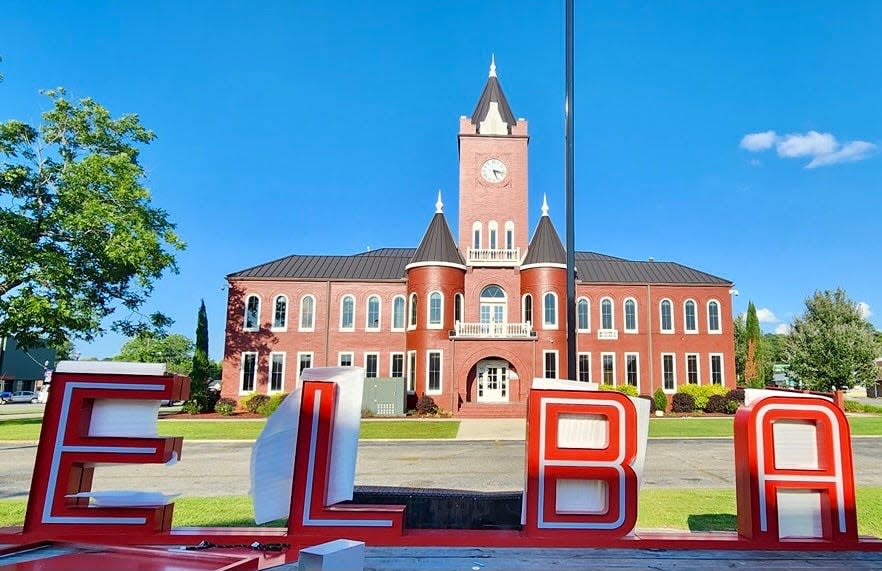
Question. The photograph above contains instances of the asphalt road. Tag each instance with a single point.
(219, 469)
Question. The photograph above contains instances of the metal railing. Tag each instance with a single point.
(495, 330)
(493, 257)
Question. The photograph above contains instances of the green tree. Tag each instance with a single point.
(740, 346)
(79, 239)
(754, 362)
(201, 368)
(175, 350)
(832, 345)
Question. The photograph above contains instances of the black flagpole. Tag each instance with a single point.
(571, 241)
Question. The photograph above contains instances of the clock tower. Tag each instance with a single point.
(493, 181)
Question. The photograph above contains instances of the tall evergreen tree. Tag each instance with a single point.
(201, 365)
(754, 373)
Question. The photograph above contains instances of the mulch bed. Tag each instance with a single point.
(212, 416)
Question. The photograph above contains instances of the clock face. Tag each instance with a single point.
(493, 170)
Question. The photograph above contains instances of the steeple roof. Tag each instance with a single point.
(437, 246)
(492, 110)
(545, 247)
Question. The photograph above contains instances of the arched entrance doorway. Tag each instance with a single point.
(492, 380)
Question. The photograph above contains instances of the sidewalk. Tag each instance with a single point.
(492, 429)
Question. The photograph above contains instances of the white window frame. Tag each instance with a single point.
(602, 371)
(392, 356)
(412, 318)
(612, 314)
(524, 316)
(673, 357)
(579, 369)
(661, 317)
(492, 235)
(458, 301)
(410, 372)
(403, 313)
(367, 314)
(556, 356)
(686, 329)
(429, 353)
(545, 323)
(587, 314)
(256, 326)
(710, 362)
(719, 329)
(269, 385)
(351, 358)
(300, 356)
(342, 312)
(365, 362)
(697, 368)
(477, 235)
(242, 357)
(636, 328)
(509, 235)
(301, 326)
(435, 324)
(637, 362)
(284, 326)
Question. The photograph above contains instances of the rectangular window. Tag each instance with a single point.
(411, 371)
(632, 369)
(608, 368)
(247, 372)
(509, 239)
(584, 366)
(304, 361)
(550, 310)
(550, 358)
(371, 365)
(277, 372)
(397, 365)
(668, 371)
(433, 372)
(476, 240)
(716, 363)
(345, 359)
(434, 309)
(492, 238)
(692, 369)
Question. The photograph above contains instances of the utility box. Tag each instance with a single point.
(384, 396)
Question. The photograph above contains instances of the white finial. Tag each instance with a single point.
(544, 205)
(492, 65)
(439, 206)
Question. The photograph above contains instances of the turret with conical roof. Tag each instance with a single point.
(545, 248)
(437, 246)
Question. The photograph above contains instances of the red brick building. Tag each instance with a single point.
(471, 324)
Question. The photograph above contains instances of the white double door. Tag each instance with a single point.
(492, 377)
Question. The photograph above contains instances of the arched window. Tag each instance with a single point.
(606, 314)
(690, 324)
(630, 315)
(494, 306)
(492, 231)
(457, 307)
(398, 312)
(373, 313)
(413, 310)
(347, 313)
(252, 313)
(280, 312)
(667, 318)
(713, 316)
(307, 313)
(528, 308)
(476, 236)
(583, 311)
(549, 311)
(509, 235)
(436, 307)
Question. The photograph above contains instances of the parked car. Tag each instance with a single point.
(5, 396)
(23, 396)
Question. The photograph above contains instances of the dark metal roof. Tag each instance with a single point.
(437, 244)
(545, 247)
(627, 271)
(384, 264)
(493, 94)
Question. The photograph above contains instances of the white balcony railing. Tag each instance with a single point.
(495, 330)
(494, 257)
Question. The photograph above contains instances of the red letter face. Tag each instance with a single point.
(73, 441)
(581, 450)
(794, 475)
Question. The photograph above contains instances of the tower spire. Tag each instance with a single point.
(544, 205)
(439, 206)
(492, 65)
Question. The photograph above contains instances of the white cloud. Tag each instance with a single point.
(811, 144)
(864, 308)
(853, 151)
(765, 315)
(783, 329)
(823, 148)
(758, 141)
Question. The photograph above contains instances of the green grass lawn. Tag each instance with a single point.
(721, 427)
(409, 429)
(675, 509)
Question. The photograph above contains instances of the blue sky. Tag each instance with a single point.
(328, 128)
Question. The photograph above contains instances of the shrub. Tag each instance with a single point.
(700, 393)
(651, 403)
(270, 405)
(716, 403)
(629, 390)
(683, 402)
(736, 395)
(426, 406)
(226, 407)
(191, 407)
(732, 406)
(367, 413)
(254, 402)
(661, 399)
